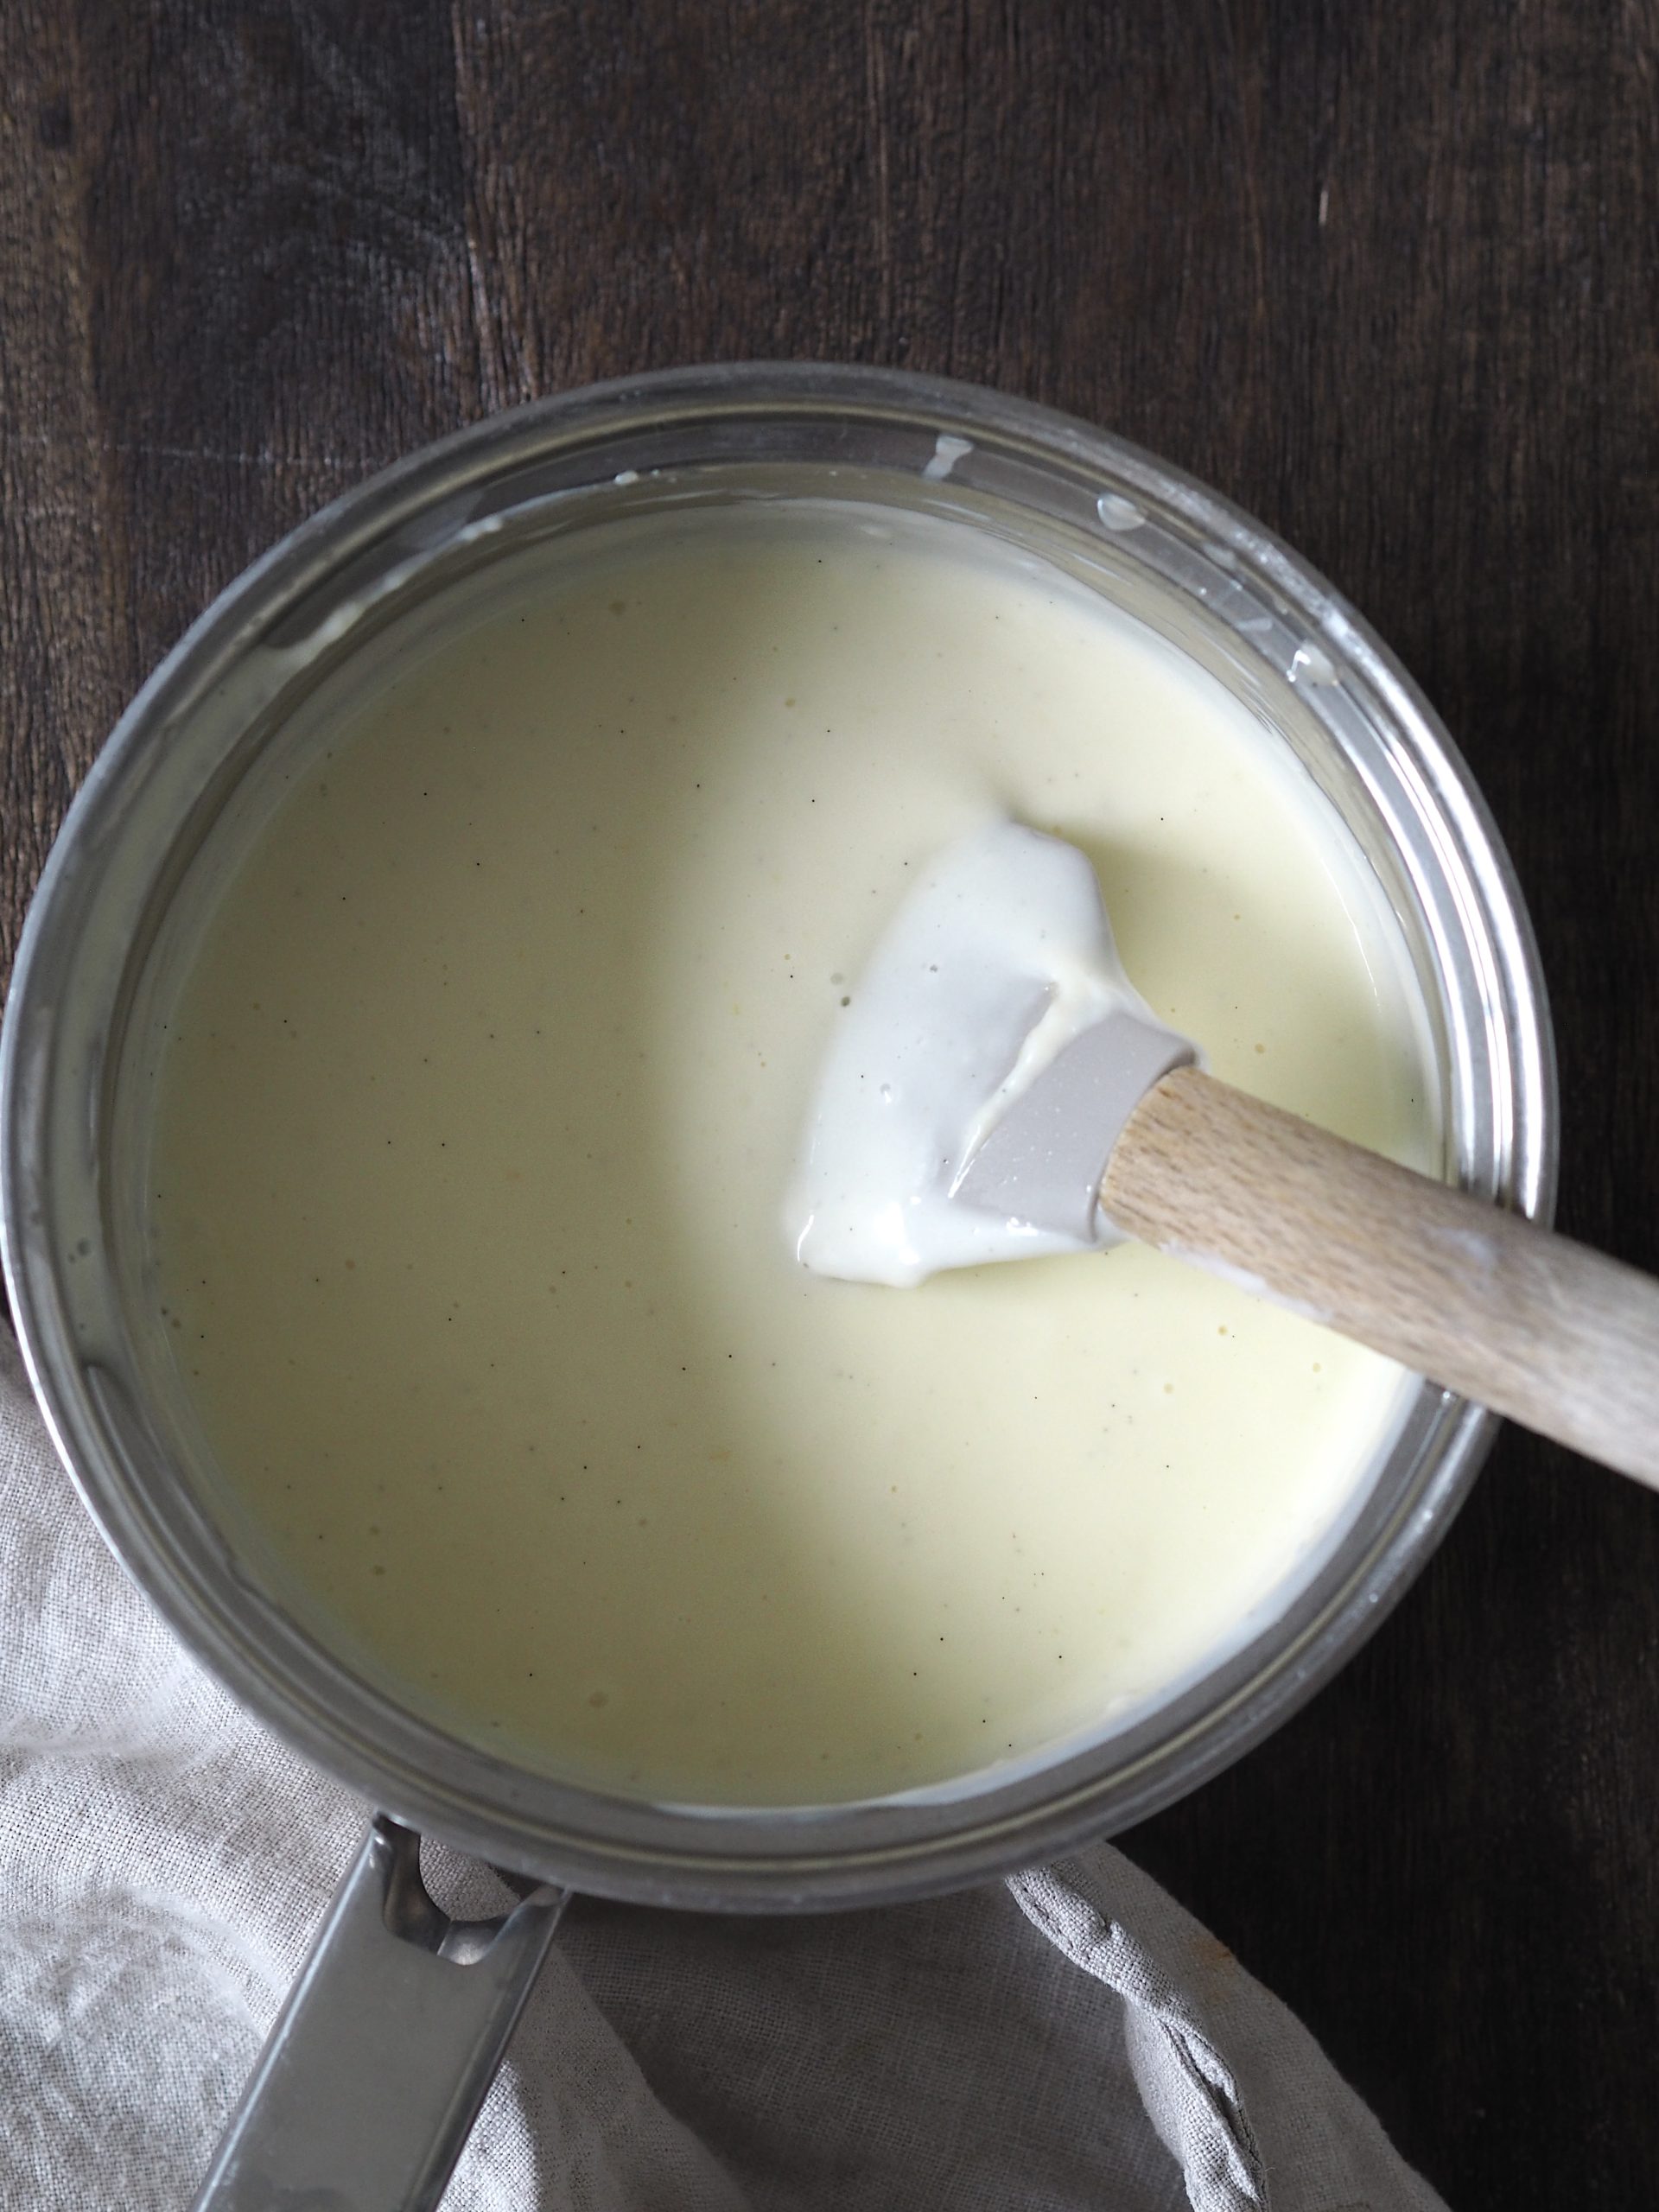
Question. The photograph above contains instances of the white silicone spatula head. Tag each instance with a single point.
(932, 1144)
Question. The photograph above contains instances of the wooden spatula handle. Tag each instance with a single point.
(1530, 1323)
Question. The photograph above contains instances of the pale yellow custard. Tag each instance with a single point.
(481, 1098)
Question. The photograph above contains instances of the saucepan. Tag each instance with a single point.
(378, 2064)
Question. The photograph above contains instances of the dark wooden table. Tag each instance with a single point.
(1389, 277)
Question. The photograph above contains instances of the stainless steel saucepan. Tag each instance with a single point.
(374, 2072)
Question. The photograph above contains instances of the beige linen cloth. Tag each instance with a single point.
(1072, 2039)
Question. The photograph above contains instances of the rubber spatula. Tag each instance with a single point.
(1000, 1091)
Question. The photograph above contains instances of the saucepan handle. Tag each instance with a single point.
(373, 2076)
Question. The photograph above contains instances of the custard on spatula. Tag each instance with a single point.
(1001, 1092)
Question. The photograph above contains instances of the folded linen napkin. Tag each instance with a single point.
(1072, 2039)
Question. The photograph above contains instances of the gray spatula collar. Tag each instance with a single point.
(1042, 1163)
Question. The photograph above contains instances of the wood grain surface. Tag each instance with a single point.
(1390, 277)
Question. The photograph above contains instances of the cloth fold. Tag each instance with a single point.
(1072, 2039)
